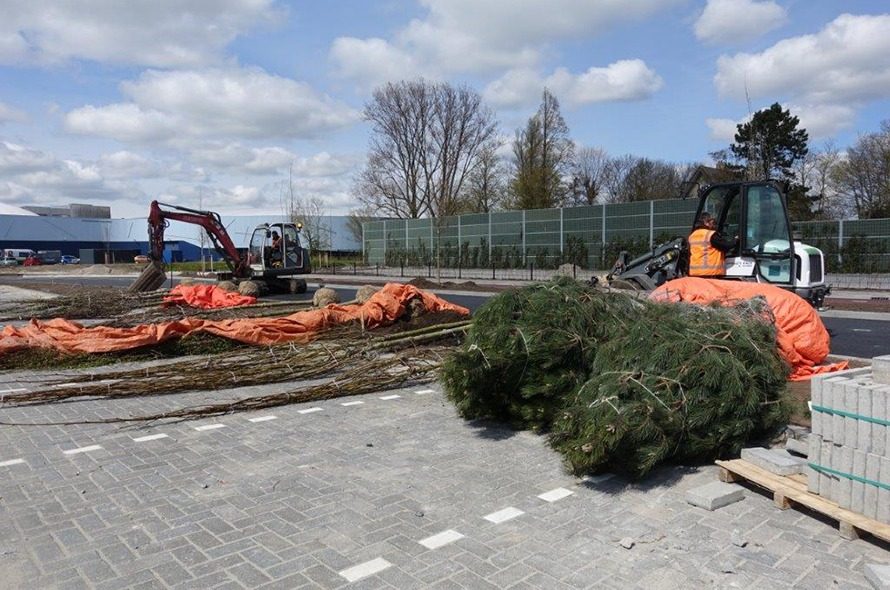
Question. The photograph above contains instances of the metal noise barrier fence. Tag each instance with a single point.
(590, 237)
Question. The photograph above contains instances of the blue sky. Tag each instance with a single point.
(218, 102)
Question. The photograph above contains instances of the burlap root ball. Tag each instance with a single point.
(325, 296)
(365, 292)
(227, 285)
(416, 308)
(249, 288)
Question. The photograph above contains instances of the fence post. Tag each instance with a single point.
(840, 243)
(384, 246)
(492, 270)
(561, 229)
(378, 269)
(651, 224)
(603, 240)
(489, 235)
(354, 271)
(531, 271)
(402, 267)
(429, 268)
(523, 235)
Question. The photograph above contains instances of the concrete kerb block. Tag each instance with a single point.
(714, 495)
(778, 462)
(878, 575)
(798, 445)
(880, 369)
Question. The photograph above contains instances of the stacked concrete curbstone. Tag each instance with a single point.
(849, 448)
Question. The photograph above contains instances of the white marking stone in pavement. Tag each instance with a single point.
(149, 437)
(554, 495)
(441, 539)
(78, 450)
(504, 515)
(363, 570)
(262, 418)
(425, 391)
(11, 462)
(389, 397)
(309, 410)
(347, 404)
(209, 427)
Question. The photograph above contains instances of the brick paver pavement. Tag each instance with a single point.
(312, 500)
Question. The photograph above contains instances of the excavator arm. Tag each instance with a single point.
(159, 217)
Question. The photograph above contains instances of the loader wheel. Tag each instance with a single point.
(297, 286)
(152, 277)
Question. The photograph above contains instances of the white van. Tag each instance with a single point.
(18, 254)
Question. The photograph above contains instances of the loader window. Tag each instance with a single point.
(767, 234)
(724, 204)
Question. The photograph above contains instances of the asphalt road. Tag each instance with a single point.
(863, 338)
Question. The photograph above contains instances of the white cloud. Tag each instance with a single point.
(722, 129)
(459, 36)
(824, 121)
(624, 80)
(159, 33)
(180, 106)
(730, 22)
(18, 159)
(9, 114)
(846, 61)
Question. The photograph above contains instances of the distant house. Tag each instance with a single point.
(703, 176)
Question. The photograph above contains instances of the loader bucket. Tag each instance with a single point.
(152, 277)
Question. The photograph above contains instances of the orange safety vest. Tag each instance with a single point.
(704, 259)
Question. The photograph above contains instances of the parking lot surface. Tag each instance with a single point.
(390, 490)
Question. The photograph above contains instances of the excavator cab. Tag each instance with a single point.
(276, 249)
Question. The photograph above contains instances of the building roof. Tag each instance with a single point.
(7, 209)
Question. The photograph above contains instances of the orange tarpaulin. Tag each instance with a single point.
(800, 334)
(206, 297)
(383, 308)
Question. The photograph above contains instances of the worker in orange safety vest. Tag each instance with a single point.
(707, 248)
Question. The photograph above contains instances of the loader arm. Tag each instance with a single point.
(159, 216)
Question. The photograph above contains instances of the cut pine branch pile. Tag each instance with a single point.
(618, 383)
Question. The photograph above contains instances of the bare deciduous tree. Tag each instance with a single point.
(589, 175)
(426, 138)
(864, 176)
(310, 213)
(543, 156)
(486, 186)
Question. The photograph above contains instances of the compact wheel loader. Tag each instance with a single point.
(767, 251)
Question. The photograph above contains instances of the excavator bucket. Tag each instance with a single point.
(152, 277)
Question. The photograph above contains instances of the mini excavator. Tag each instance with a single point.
(274, 265)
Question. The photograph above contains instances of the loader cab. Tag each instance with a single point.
(757, 214)
(276, 249)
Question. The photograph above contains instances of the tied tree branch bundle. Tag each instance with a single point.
(268, 365)
(528, 349)
(686, 383)
(620, 383)
(378, 374)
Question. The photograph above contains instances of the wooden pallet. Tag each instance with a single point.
(792, 489)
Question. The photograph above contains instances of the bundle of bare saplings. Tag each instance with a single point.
(621, 383)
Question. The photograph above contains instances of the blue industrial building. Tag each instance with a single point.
(118, 240)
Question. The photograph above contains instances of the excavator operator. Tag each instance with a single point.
(707, 248)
